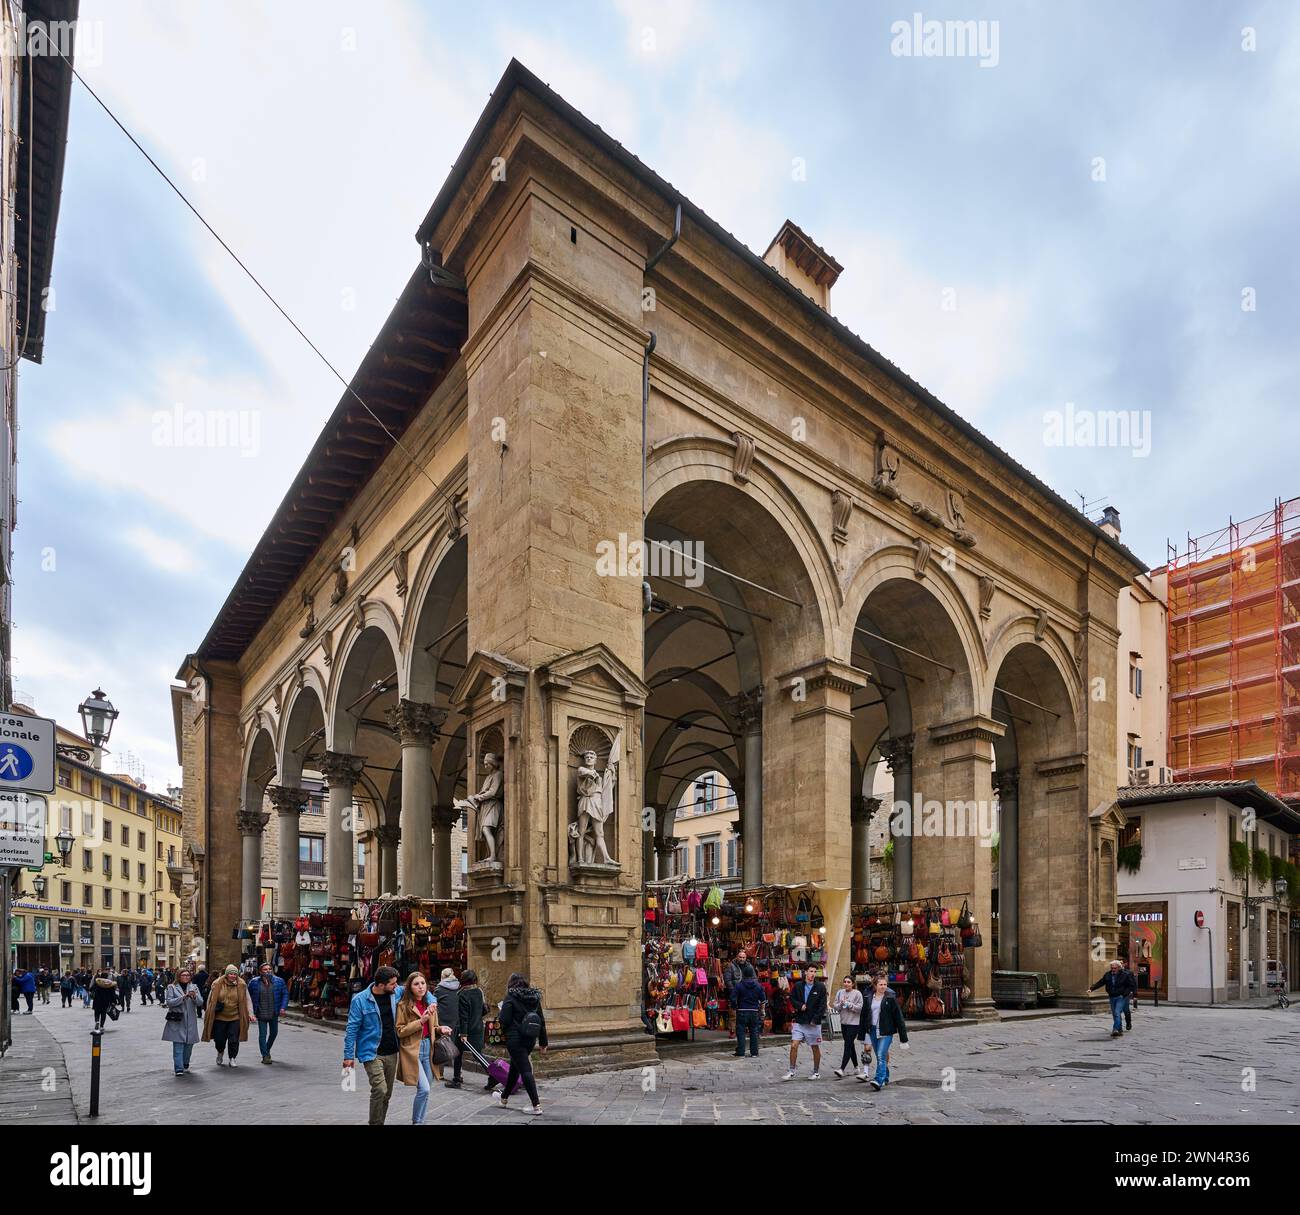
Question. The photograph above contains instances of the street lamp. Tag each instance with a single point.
(64, 841)
(97, 717)
(39, 884)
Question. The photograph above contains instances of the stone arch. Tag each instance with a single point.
(1021, 632)
(368, 660)
(260, 767)
(302, 717)
(436, 601)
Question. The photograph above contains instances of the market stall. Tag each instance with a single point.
(682, 987)
(920, 946)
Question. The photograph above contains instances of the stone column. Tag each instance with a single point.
(956, 785)
(289, 803)
(748, 708)
(1007, 785)
(444, 819)
(370, 862)
(416, 726)
(898, 759)
(389, 837)
(251, 825)
(860, 815)
(664, 858)
(340, 771)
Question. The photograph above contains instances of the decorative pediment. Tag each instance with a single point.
(596, 666)
(1108, 814)
(486, 673)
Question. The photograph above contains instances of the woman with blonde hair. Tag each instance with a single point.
(418, 1033)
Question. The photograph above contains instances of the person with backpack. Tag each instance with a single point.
(809, 999)
(884, 1018)
(67, 985)
(524, 1027)
(468, 1024)
(1120, 985)
(126, 987)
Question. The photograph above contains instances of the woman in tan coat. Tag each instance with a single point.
(228, 1015)
(417, 1034)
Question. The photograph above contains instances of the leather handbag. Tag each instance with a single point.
(701, 951)
(681, 1020)
(933, 1006)
(945, 954)
(443, 1050)
(882, 953)
(664, 1022)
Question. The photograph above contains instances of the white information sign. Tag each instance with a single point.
(22, 829)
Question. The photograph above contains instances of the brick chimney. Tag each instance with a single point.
(795, 256)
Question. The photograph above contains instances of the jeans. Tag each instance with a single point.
(181, 1052)
(84, 993)
(747, 1020)
(67, 998)
(881, 1043)
(520, 1069)
(225, 1037)
(381, 1071)
(850, 1035)
(266, 1032)
(422, 1085)
(1117, 1006)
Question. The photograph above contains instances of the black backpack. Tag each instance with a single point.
(530, 1025)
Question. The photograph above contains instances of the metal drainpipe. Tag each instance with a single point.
(645, 417)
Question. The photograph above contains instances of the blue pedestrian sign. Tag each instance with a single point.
(26, 753)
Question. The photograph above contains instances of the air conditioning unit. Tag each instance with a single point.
(1151, 776)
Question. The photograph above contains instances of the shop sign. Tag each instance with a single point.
(1143, 917)
(1192, 862)
(26, 906)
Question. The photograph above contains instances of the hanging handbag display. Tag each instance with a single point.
(664, 1022)
(933, 1006)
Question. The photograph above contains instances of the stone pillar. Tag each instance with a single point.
(340, 771)
(389, 836)
(951, 856)
(664, 858)
(416, 726)
(251, 825)
(1007, 784)
(860, 815)
(748, 708)
(289, 803)
(369, 863)
(444, 819)
(898, 759)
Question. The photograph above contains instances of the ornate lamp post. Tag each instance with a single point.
(97, 718)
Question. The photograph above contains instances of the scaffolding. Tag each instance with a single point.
(1234, 653)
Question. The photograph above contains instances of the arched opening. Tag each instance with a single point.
(731, 607)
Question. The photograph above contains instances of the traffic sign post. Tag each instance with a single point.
(26, 753)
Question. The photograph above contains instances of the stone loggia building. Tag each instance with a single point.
(581, 359)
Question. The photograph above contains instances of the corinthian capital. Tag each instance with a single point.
(288, 800)
(252, 822)
(898, 752)
(340, 768)
(414, 722)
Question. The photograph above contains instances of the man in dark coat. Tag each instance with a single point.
(468, 1024)
(809, 999)
(1120, 985)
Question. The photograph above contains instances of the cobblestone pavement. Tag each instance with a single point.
(1180, 1065)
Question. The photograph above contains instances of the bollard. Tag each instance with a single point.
(95, 1036)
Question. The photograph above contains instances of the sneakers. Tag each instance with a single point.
(1116, 1033)
(221, 1059)
(839, 1073)
(815, 1076)
(267, 1059)
(875, 1084)
(789, 1075)
(496, 1097)
(232, 1061)
(535, 1110)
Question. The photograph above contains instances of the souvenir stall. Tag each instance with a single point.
(317, 962)
(682, 987)
(920, 946)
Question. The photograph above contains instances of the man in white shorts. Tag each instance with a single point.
(809, 999)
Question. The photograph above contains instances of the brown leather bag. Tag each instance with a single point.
(933, 1006)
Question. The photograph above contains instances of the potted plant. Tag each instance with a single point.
(1238, 858)
(1129, 857)
(1261, 865)
(887, 857)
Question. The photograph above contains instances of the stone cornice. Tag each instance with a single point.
(976, 727)
(827, 673)
(1061, 765)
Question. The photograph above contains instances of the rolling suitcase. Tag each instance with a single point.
(498, 1069)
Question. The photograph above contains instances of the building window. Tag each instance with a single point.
(65, 816)
(140, 866)
(87, 860)
(108, 898)
(126, 837)
(464, 862)
(108, 865)
(681, 862)
(311, 855)
(731, 857)
(87, 934)
(1134, 753)
(1234, 942)
(88, 822)
(108, 831)
(40, 929)
(160, 849)
(65, 892)
(141, 935)
(361, 860)
(140, 841)
(1131, 832)
(65, 932)
(1135, 679)
(708, 858)
(158, 912)
(106, 934)
(87, 895)
(126, 901)
(126, 869)
(65, 777)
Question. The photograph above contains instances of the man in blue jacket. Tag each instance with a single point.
(269, 995)
(371, 1037)
(1120, 984)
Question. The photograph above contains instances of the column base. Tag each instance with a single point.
(1092, 1003)
(614, 1050)
(980, 1009)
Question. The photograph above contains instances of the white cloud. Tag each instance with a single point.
(161, 552)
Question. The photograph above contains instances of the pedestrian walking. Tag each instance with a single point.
(126, 987)
(371, 1038)
(269, 995)
(1120, 985)
(67, 985)
(201, 980)
(84, 981)
(732, 974)
(181, 1026)
(809, 999)
(103, 998)
(44, 981)
(144, 982)
(848, 1003)
(447, 993)
(228, 1015)
(884, 1023)
(24, 984)
(469, 1024)
(747, 998)
(523, 1025)
(162, 981)
(419, 1033)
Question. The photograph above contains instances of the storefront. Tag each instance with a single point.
(1144, 946)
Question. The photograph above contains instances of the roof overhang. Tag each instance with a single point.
(1245, 794)
(42, 123)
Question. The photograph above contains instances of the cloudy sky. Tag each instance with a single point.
(1073, 216)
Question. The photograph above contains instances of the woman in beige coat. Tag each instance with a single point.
(228, 1015)
(417, 1034)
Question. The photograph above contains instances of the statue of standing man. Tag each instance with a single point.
(596, 803)
(488, 803)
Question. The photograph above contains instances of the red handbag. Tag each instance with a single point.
(701, 951)
(681, 1019)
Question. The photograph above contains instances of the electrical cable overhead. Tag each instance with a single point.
(253, 278)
